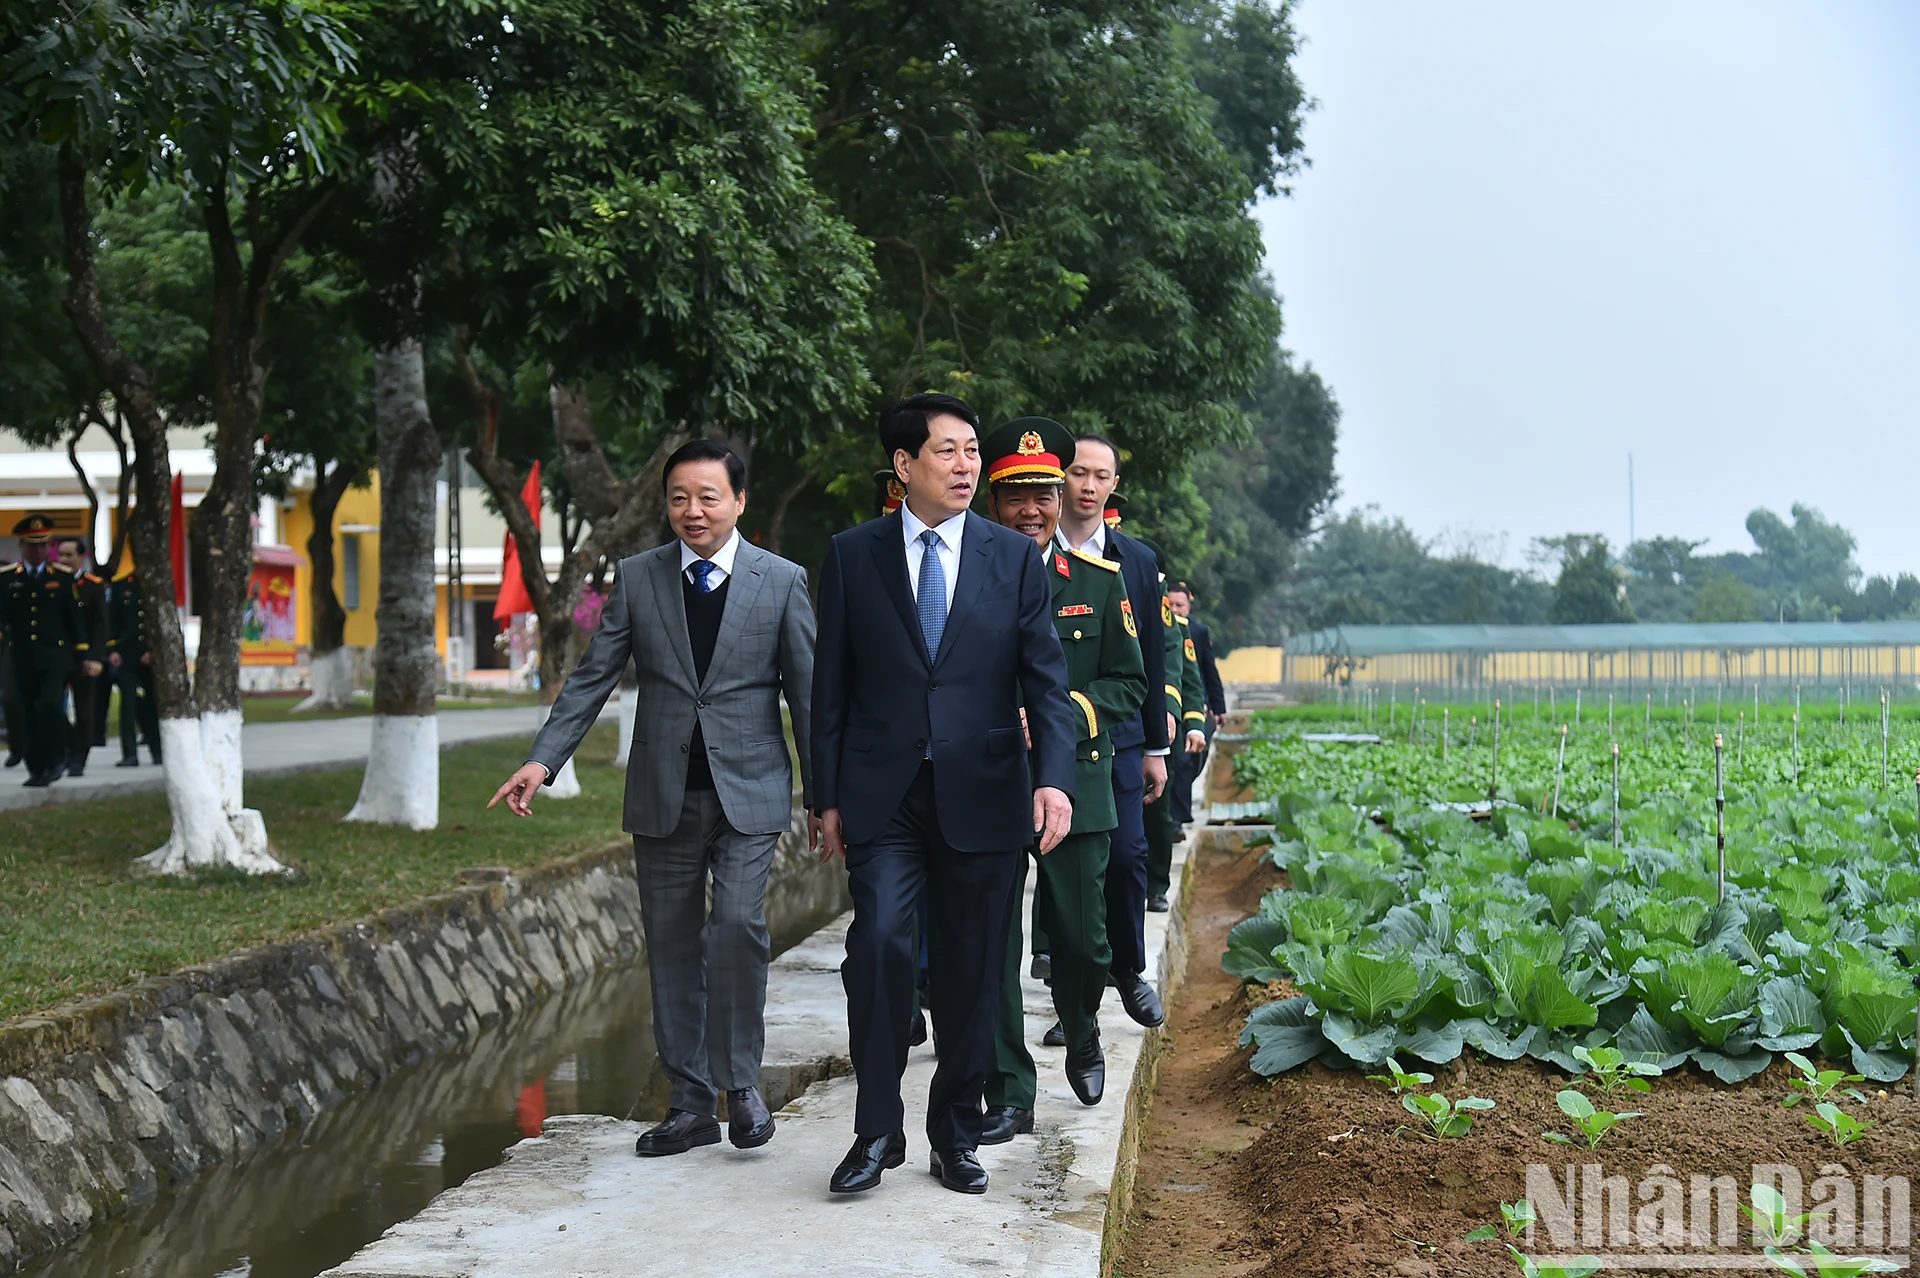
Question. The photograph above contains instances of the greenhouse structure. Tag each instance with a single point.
(1819, 657)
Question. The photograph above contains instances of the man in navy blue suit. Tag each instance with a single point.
(1140, 745)
(936, 658)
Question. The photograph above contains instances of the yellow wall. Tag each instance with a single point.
(359, 506)
(1251, 665)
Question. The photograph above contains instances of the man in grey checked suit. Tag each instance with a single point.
(718, 630)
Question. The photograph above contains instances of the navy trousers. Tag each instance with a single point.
(1127, 865)
(969, 899)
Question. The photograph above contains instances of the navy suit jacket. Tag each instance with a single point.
(1142, 573)
(879, 698)
(1209, 670)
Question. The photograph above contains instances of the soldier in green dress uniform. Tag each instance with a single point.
(85, 682)
(132, 666)
(1106, 679)
(1187, 706)
(46, 641)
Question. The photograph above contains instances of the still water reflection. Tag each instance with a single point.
(305, 1204)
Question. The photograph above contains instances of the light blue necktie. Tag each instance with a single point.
(703, 570)
(933, 593)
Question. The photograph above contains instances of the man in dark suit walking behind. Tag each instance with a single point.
(718, 630)
(935, 632)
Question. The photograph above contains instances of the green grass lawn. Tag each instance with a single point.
(74, 922)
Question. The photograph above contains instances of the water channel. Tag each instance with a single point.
(308, 1202)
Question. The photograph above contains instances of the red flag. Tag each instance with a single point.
(513, 588)
(177, 541)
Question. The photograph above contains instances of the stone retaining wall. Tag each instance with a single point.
(105, 1101)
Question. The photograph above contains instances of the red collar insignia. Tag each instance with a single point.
(1060, 564)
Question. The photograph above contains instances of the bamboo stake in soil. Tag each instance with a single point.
(1559, 766)
(1576, 706)
(1648, 741)
(1720, 810)
(1740, 743)
(1493, 786)
(1446, 732)
(1610, 716)
(1883, 740)
(1473, 731)
(1796, 747)
(1616, 794)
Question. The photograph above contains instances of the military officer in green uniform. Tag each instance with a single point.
(46, 640)
(1024, 462)
(132, 666)
(1187, 708)
(90, 593)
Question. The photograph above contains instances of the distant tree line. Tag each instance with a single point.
(1364, 568)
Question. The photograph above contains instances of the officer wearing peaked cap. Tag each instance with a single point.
(46, 639)
(1106, 680)
(888, 493)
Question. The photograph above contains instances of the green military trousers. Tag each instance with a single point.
(1161, 829)
(1071, 904)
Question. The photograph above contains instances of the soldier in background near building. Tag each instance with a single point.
(1186, 700)
(46, 638)
(90, 595)
(133, 670)
(1181, 595)
(9, 692)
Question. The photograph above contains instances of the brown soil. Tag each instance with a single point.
(1318, 1173)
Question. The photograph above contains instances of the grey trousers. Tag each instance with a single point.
(708, 969)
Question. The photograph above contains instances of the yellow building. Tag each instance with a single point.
(275, 655)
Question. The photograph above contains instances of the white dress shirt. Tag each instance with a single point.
(947, 547)
(722, 559)
(1095, 545)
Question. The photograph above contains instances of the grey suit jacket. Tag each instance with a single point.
(764, 649)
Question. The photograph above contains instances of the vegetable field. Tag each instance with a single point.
(1412, 927)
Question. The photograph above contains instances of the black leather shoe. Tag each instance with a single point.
(1157, 903)
(13, 760)
(959, 1171)
(917, 1030)
(46, 778)
(860, 1169)
(131, 761)
(749, 1125)
(1004, 1122)
(1041, 969)
(77, 772)
(680, 1132)
(1055, 1036)
(1142, 1004)
(1087, 1069)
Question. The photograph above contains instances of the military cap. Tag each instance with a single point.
(1111, 515)
(1027, 450)
(35, 530)
(888, 492)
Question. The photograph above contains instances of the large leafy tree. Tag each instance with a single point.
(1250, 501)
(1058, 228)
(1587, 591)
(231, 101)
(630, 231)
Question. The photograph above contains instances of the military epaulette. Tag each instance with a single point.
(95, 579)
(1095, 560)
(58, 567)
(9, 567)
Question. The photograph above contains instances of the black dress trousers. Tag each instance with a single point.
(969, 897)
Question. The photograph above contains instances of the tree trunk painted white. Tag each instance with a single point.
(211, 826)
(330, 680)
(402, 785)
(402, 781)
(629, 711)
(567, 784)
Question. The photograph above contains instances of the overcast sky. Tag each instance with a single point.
(1535, 237)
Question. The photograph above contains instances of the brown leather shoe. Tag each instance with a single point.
(680, 1132)
(749, 1125)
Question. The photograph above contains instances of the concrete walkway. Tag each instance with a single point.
(577, 1201)
(274, 750)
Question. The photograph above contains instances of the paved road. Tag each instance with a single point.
(274, 750)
